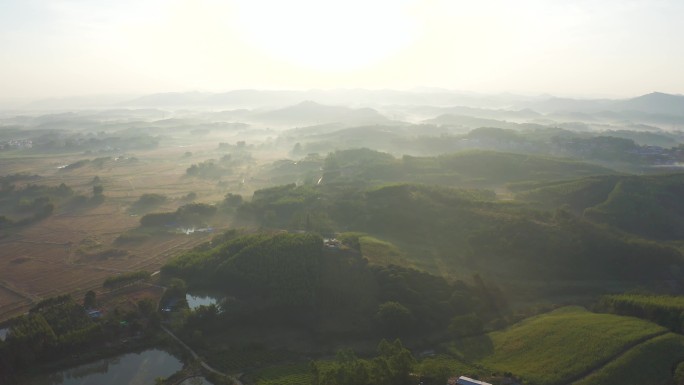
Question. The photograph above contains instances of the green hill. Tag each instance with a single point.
(478, 169)
(294, 279)
(647, 363)
(561, 346)
(650, 205)
(455, 232)
(501, 167)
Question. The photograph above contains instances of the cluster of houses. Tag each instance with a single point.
(657, 155)
(16, 144)
(192, 230)
(332, 243)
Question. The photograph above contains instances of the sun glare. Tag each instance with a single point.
(325, 36)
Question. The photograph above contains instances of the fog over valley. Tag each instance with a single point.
(341, 193)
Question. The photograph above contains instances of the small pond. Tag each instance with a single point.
(130, 369)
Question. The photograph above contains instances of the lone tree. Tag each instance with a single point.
(90, 300)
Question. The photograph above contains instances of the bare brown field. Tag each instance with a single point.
(51, 257)
(74, 250)
(14, 308)
(34, 270)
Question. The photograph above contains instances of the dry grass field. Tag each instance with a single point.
(74, 249)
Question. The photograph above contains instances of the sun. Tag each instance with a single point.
(326, 35)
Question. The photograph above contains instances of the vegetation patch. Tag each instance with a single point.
(664, 310)
(381, 252)
(648, 363)
(294, 374)
(125, 279)
(559, 346)
(438, 369)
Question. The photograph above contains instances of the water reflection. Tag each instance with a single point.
(131, 369)
(195, 301)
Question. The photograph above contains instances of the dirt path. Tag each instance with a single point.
(614, 357)
(21, 293)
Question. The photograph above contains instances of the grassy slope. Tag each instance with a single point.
(554, 348)
(561, 345)
(382, 252)
(647, 363)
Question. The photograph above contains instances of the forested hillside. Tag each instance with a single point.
(294, 278)
(649, 206)
(453, 231)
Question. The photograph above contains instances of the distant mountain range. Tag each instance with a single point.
(351, 97)
(654, 105)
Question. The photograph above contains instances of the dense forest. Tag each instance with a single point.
(293, 278)
(467, 231)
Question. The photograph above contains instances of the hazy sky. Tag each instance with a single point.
(78, 47)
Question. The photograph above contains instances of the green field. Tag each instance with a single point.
(557, 347)
(648, 363)
(569, 345)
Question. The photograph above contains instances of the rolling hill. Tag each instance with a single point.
(456, 233)
(646, 205)
(569, 344)
(308, 112)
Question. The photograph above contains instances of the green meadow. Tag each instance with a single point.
(647, 363)
(557, 347)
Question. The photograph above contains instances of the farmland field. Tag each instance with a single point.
(560, 346)
(75, 249)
